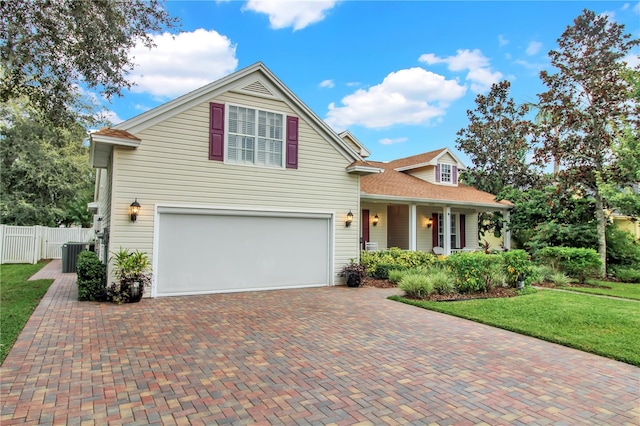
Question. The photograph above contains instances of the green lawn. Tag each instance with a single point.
(18, 299)
(626, 291)
(606, 327)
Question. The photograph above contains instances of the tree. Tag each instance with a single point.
(589, 101)
(49, 47)
(44, 169)
(497, 140)
(623, 194)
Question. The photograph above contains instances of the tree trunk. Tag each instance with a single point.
(601, 229)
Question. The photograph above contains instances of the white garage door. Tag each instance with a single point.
(210, 251)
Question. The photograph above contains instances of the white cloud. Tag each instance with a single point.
(533, 66)
(408, 96)
(353, 84)
(181, 63)
(502, 41)
(291, 13)
(480, 74)
(387, 141)
(533, 48)
(108, 117)
(632, 60)
(636, 8)
(327, 84)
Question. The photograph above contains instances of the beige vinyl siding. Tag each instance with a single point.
(427, 174)
(378, 233)
(447, 159)
(471, 229)
(423, 240)
(172, 166)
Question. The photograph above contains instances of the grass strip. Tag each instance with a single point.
(606, 327)
(624, 290)
(18, 299)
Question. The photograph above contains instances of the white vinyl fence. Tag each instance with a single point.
(29, 244)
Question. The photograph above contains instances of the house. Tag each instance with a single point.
(417, 203)
(239, 186)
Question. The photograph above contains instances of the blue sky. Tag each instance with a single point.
(400, 75)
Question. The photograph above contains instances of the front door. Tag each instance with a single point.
(365, 228)
(398, 226)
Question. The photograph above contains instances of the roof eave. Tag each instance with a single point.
(402, 199)
(364, 170)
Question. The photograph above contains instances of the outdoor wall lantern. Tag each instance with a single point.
(349, 219)
(376, 219)
(429, 222)
(134, 209)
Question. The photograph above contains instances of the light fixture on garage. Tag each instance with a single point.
(429, 222)
(134, 209)
(349, 219)
(376, 219)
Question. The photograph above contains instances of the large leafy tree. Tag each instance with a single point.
(49, 47)
(497, 140)
(590, 103)
(44, 169)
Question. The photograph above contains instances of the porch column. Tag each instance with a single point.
(413, 229)
(506, 231)
(446, 228)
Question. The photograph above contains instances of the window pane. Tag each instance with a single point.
(244, 124)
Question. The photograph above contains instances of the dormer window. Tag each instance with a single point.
(445, 173)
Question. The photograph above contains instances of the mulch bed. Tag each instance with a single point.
(496, 292)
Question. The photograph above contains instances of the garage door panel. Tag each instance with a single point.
(216, 253)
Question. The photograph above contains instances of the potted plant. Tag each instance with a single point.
(354, 273)
(133, 271)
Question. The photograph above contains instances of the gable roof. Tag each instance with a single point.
(392, 184)
(363, 151)
(256, 80)
(422, 160)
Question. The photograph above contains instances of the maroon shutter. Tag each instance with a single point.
(463, 237)
(454, 174)
(365, 228)
(438, 173)
(434, 230)
(216, 131)
(292, 142)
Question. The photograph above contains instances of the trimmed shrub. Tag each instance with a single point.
(623, 250)
(416, 286)
(579, 263)
(382, 270)
(473, 272)
(628, 275)
(92, 277)
(398, 258)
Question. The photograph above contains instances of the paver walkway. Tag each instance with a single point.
(308, 356)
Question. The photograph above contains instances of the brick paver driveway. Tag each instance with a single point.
(312, 356)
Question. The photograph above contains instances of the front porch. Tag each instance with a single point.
(420, 226)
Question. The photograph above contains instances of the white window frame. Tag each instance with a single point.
(256, 138)
(448, 174)
(454, 232)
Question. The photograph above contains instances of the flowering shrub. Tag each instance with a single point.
(474, 272)
(516, 262)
